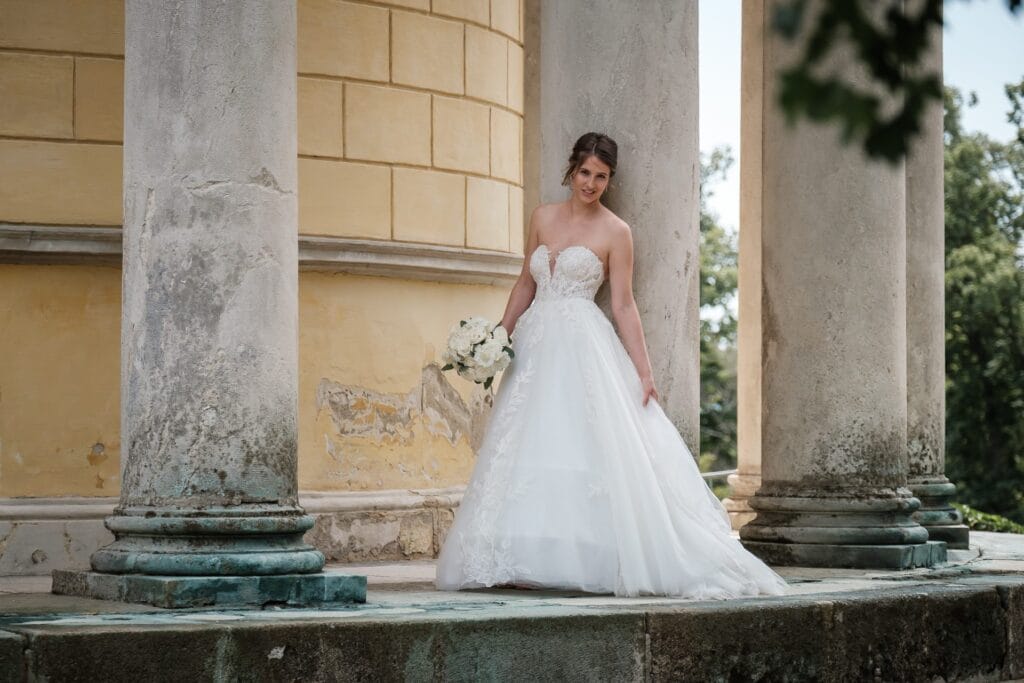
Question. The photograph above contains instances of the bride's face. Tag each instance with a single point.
(590, 179)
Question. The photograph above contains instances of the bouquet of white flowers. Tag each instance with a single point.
(478, 350)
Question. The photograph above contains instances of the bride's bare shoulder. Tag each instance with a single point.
(614, 227)
(547, 212)
(543, 217)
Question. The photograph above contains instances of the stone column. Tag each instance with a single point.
(926, 333)
(833, 366)
(747, 479)
(630, 72)
(209, 317)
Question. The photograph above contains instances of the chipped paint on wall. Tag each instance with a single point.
(386, 418)
(375, 432)
(356, 411)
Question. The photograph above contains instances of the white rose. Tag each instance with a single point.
(488, 353)
(473, 374)
(501, 335)
(503, 362)
(477, 328)
(460, 342)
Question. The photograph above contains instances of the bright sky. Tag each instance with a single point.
(983, 49)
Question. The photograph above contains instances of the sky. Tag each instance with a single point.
(983, 48)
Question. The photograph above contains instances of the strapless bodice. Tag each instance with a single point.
(577, 274)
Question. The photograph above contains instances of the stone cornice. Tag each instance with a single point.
(74, 245)
(59, 244)
(408, 260)
(314, 502)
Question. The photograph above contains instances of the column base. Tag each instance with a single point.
(742, 488)
(239, 541)
(926, 554)
(175, 592)
(943, 521)
(867, 528)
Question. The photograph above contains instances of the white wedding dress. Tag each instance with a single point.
(577, 484)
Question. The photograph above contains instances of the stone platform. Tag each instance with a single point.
(300, 590)
(960, 621)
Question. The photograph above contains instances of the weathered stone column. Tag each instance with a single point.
(926, 332)
(833, 366)
(747, 479)
(209, 318)
(630, 71)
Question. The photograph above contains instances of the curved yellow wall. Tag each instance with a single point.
(410, 121)
(409, 118)
(409, 130)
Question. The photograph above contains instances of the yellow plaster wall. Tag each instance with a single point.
(59, 387)
(59, 390)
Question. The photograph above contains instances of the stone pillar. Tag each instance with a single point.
(926, 333)
(833, 367)
(209, 316)
(747, 479)
(630, 72)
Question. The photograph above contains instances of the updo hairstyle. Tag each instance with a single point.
(592, 144)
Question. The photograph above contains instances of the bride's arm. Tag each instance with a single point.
(525, 288)
(627, 317)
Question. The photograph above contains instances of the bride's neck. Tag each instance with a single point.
(578, 209)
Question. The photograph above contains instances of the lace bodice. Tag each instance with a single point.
(578, 273)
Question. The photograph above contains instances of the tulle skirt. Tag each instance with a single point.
(579, 486)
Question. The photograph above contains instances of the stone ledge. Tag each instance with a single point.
(12, 657)
(176, 592)
(953, 630)
(87, 245)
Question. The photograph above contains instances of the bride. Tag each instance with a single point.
(582, 482)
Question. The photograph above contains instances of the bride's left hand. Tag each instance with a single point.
(649, 390)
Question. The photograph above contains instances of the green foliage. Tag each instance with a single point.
(718, 280)
(983, 521)
(985, 312)
(889, 38)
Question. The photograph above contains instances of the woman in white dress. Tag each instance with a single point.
(582, 482)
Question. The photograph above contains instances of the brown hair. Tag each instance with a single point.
(592, 144)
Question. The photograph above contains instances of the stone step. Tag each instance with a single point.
(960, 621)
(960, 627)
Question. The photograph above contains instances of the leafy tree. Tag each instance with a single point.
(985, 311)
(889, 38)
(718, 282)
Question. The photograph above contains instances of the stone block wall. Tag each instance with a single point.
(384, 86)
(410, 121)
(61, 73)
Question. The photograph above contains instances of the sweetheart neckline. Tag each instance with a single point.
(552, 265)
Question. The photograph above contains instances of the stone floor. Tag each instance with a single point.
(399, 582)
(619, 637)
